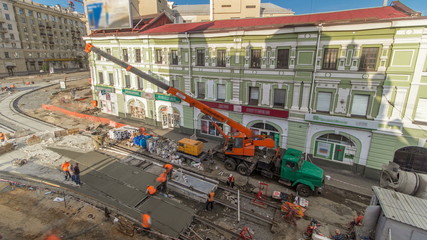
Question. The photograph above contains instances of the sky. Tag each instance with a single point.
(298, 6)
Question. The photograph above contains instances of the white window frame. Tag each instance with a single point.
(220, 92)
(360, 104)
(324, 100)
(421, 111)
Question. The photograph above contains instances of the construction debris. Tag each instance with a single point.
(33, 140)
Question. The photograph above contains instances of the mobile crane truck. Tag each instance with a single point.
(243, 150)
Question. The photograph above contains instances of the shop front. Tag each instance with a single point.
(107, 99)
(169, 116)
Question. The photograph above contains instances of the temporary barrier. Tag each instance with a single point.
(84, 116)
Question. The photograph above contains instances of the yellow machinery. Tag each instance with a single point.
(192, 147)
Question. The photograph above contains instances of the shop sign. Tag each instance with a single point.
(348, 122)
(246, 109)
(131, 92)
(105, 89)
(167, 98)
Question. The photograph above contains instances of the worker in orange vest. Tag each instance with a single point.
(168, 168)
(146, 222)
(162, 178)
(151, 190)
(65, 167)
(52, 237)
(210, 201)
(2, 137)
(230, 181)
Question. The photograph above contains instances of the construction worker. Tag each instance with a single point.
(162, 180)
(151, 190)
(230, 181)
(2, 137)
(168, 168)
(52, 237)
(146, 222)
(210, 201)
(65, 167)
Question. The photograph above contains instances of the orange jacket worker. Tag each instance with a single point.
(210, 201)
(168, 167)
(1, 137)
(151, 190)
(161, 178)
(65, 167)
(146, 221)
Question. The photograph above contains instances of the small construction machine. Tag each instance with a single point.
(242, 150)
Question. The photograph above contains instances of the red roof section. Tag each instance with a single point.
(360, 15)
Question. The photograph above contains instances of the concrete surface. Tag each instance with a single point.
(126, 185)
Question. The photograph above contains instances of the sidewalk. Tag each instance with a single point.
(341, 179)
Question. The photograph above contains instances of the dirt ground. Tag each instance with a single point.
(73, 219)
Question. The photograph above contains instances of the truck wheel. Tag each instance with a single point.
(230, 164)
(303, 190)
(242, 169)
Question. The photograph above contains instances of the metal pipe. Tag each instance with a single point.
(238, 205)
(315, 68)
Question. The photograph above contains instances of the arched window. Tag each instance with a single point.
(412, 159)
(335, 147)
(206, 126)
(137, 109)
(267, 129)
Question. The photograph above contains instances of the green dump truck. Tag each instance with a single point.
(291, 169)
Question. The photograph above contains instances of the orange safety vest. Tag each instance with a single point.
(52, 237)
(168, 167)
(65, 166)
(151, 190)
(146, 221)
(211, 197)
(1, 136)
(161, 178)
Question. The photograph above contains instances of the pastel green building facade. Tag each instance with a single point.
(349, 95)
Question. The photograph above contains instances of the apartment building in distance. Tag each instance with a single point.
(351, 91)
(227, 9)
(40, 37)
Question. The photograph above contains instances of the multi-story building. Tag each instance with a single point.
(227, 9)
(349, 87)
(50, 37)
(11, 55)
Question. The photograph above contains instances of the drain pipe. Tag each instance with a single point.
(313, 78)
(187, 36)
(315, 69)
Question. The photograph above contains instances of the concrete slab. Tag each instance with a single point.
(170, 219)
(117, 190)
(192, 186)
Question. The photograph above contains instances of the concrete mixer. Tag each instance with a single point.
(411, 183)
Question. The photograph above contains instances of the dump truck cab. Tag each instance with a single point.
(303, 175)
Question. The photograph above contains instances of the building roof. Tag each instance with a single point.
(196, 9)
(204, 9)
(270, 8)
(359, 15)
(402, 207)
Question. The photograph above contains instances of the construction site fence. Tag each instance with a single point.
(83, 116)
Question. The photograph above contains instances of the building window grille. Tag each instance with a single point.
(201, 90)
(159, 56)
(330, 59)
(220, 95)
(253, 96)
(279, 98)
(125, 55)
(138, 55)
(220, 58)
(200, 57)
(174, 57)
(283, 58)
(368, 60)
(255, 58)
